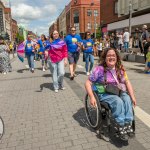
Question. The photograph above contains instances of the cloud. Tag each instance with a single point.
(26, 12)
(37, 15)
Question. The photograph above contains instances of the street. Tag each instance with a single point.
(37, 118)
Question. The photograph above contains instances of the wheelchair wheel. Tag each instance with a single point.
(93, 114)
(1, 128)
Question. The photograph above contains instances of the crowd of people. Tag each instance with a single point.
(57, 52)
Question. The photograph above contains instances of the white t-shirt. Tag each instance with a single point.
(100, 47)
(120, 39)
(126, 36)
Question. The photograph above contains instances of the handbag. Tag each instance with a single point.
(110, 88)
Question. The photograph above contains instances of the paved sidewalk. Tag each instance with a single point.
(36, 118)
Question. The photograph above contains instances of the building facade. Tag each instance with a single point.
(2, 18)
(84, 15)
(14, 29)
(8, 21)
(117, 17)
(62, 23)
(52, 28)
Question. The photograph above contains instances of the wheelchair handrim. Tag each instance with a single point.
(88, 115)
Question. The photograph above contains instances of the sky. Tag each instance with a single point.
(37, 15)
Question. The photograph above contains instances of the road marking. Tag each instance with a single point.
(142, 115)
(79, 66)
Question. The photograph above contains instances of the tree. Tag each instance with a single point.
(98, 33)
(20, 38)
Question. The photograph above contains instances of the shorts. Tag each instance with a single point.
(148, 64)
(73, 57)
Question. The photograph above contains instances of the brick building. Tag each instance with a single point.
(2, 18)
(14, 29)
(84, 15)
(8, 21)
(53, 27)
(115, 14)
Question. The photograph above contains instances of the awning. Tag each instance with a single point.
(143, 19)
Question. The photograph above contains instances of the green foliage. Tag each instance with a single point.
(20, 38)
(98, 33)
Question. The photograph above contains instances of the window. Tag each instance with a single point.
(89, 26)
(96, 13)
(89, 12)
(116, 7)
(76, 17)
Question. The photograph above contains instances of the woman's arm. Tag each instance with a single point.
(131, 92)
(88, 87)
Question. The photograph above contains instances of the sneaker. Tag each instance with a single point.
(43, 69)
(56, 91)
(4, 72)
(62, 88)
(122, 133)
(32, 70)
(129, 130)
(87, 73)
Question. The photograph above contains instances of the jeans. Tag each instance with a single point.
(88, 57)
(121, 107)
(126, 46)
(30, 59)
(44, 61)
(58, 71)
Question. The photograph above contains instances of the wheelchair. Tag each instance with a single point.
(100, 119)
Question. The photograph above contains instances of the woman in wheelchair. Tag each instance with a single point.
(114, 88)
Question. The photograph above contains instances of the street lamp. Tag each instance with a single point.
(130, 17)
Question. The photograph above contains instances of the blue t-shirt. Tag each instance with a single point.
(88, 43)
(71, 41)
(41, 44)
(29, 48)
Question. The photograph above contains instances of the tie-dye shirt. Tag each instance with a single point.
(97, 76)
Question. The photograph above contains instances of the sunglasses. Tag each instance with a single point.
(88, 34)
(73, 30)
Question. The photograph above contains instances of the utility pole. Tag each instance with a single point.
(130, 17)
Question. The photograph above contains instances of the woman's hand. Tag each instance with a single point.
(93, 101)
(65, 62)
(134, 102)
(46, 54)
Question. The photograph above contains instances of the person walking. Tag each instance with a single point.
(88, 51)
(29, 52)
(42, 44)
(144, 40)
(126, 38)
(57, 54)
(5, 65)
(120, 41)
(73, 42)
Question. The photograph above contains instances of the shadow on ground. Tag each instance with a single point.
(136, 70)
(47, 75)
(80, 117)
(67, 75)
(47, 86)
(22, 70)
